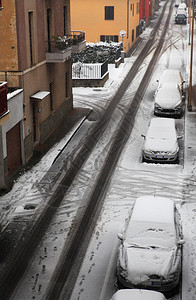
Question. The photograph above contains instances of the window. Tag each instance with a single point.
(138, 8)
(1, 6)
(109, 12)
(65, 19)
(132, 35)
(48, 27)
(109, 38)
(51, 96)
(133, 10)
(66, 84)
(30, 17)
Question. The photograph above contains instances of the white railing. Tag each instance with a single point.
(89, 71)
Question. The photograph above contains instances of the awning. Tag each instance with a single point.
(39, 96)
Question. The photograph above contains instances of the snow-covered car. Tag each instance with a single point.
(161, 141)
(182, 6)
(168, 100)
(150, 254)
(137, 294)
(171, 76)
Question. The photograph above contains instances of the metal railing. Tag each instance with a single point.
(59, 44)
(77, 37)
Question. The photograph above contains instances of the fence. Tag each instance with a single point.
(89, 71)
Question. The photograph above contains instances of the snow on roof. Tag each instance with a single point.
(40, 95)
(152, 222)
(153, 209)
(162, 127)
(171, 75)
(132, 294)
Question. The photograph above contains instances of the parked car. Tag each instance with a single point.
(171, 76)
(168, 100)
(177, 3)
(161, 141)
(137, 294)
(150, 254)
(181, 16)
(182, 6)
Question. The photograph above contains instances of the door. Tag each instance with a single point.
(13, 141)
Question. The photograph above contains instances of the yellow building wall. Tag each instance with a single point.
(8, 37)
(89, 16)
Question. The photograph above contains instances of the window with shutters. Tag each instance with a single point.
(109, 12)
(109, 38)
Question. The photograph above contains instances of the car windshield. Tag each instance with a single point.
(150, 235)
(181, 16)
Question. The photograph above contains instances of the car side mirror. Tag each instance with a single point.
(179, 137)
(181, 242)
(120, 236)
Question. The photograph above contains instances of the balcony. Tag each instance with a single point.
(59, 50)
(78, 42)
(4, 112)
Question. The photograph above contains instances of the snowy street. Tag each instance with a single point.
(131, 179)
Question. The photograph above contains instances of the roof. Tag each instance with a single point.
(171, 75)
(162, 127)
(40, 95)
(153, 209)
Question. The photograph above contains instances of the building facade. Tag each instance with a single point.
(36, 59)
(103, 20)
(28, 28)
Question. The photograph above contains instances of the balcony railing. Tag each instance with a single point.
(77, 37)
(3, 99)
(78, 41)
(59, 49)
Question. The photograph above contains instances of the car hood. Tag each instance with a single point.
(161, 144)
(168, 103)
(142, 263)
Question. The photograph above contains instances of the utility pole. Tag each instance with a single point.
(189, 16)
(191, 60)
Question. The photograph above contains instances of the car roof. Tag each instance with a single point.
(161, 127)
(137, 294)
(171, 75)
(153, 209)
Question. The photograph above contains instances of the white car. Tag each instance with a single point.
(168, 100)
(150, 254)
(171, 76)
(137, 294)
(182, 6)
(161, 141)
